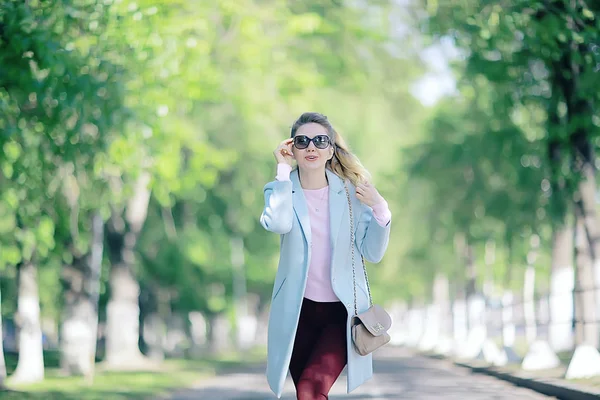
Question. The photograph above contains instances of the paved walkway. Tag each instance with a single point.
(398, 375)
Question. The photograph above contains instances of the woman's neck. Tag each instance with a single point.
(312, 179)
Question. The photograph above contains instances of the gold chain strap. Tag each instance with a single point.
(361, 257)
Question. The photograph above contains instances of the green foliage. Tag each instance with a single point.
(59, 98)
(485, 161)
(197, 95)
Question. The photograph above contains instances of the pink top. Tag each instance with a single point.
(318, 285)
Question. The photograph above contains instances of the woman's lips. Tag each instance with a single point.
(311, 158)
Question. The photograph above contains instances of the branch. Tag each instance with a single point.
(169, 222)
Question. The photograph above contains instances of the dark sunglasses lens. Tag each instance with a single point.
(321, 141)
(301, 142)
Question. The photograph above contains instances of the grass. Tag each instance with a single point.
(173, 374)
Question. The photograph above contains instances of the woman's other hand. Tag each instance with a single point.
(367, 194)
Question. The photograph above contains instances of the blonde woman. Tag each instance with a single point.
(313, 294)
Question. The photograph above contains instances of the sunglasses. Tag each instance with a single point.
(321, 141)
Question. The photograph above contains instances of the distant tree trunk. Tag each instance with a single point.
(508, 323)
(155, 319)
(585, 329)
(441, 299)
(240, 294)
(123, 311)
(475, 301)
(540, 355)
(490, 320)
(490, 259)
(460, 325)
(441, 295)
(219, 334)
(2, 361)
(30, 367)
(529, 291)
(471, 273)
(198, 333)
(80, 316)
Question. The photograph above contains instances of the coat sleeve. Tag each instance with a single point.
(277, 215)
(372, 238)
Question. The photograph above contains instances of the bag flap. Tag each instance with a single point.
(376, 320)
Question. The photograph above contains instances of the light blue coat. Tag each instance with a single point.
(286, 213)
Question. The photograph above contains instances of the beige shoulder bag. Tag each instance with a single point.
(369, 328)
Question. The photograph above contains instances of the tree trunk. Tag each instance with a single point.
(198, 333)
(529, 304)
(219, 334)
(123, 311)
(459, 321)
(244, 335)
(579, 114)
(529, 291)
(155, 317)
(560, 331)
(490, 259)
(585, 328)
(441, 287)
(539, 355)
(585, 362)
(441, 296)
(586, 359)
(474, 299)
(471, 273)
(460, 326)
(80, 315)
(507, 320)
(508, 323)
(30, 367)
(2, 361)
(491, 320)
(586, 203)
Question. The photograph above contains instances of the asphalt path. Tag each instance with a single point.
(399, 374)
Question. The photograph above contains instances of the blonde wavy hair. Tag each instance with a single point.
(343, 163)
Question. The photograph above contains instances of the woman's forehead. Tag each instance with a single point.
(311, 130)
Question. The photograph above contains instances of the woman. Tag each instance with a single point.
(313, 295)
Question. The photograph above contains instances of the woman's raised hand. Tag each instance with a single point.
(283, 152)
(367, 194)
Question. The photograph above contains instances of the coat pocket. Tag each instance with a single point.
(276, 293)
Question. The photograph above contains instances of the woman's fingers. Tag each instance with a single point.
(361, 189)
(283, 152)
(285, 147)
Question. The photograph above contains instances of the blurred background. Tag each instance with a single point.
(136, 138)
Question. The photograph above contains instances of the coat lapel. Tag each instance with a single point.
(337, 206)
(300, 205)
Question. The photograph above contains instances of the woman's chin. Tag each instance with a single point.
(312, 166)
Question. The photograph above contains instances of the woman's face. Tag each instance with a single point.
(308, 153)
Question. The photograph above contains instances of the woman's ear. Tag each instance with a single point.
(331, 152)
